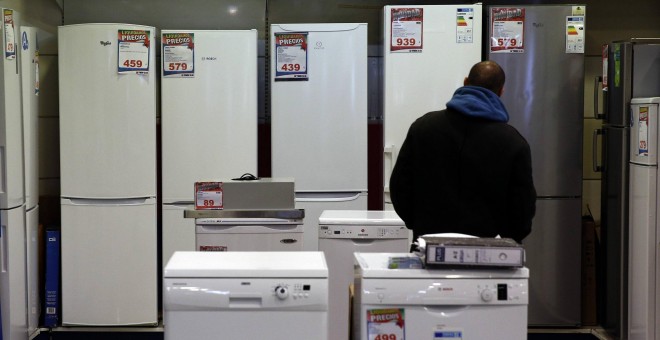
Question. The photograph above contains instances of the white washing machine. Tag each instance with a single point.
(343, 232)
(248, 230)
(246, 295)
(451, 304)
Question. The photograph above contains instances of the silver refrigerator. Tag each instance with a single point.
(631, 70)
(541, 49)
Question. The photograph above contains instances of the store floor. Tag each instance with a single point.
(157, 334)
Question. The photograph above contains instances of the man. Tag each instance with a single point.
(464, 169)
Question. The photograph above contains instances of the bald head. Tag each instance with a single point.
(487, 74)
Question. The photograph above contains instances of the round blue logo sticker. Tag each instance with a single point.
(25, 41)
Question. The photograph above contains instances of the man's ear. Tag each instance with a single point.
(500, 91)
(465, 81)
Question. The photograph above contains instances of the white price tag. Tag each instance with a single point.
(10, 42)
(178, 55)
(133, 54)
(208, 195)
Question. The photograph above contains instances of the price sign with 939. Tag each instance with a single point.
(406, 29)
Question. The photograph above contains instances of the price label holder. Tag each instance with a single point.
(208, 195)
(133, 51)
(407, 30)
(178, 55)
(291, 56)
(507, 27)
(10, 42)
(386, 324)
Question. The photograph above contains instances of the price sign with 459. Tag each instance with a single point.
(133, 53)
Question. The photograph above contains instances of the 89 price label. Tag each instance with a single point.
(208, 195)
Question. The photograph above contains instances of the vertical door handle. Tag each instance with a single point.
(594, 151)
(597, 90)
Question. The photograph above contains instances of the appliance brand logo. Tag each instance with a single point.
(209, 58)
(105, 43)
(319, 46)
(288, 241)
(537, 24)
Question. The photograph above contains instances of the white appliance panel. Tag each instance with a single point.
(32, 270)
(249, 237)
(29, 78)
(178, 232)
(12, 273)
(12, 191)
(209, 121)
(315, 203)
(319, 126)
(643, 259)
(417, 83)
(107, 119)
(109, 273)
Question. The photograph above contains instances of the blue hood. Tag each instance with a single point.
(480, 102)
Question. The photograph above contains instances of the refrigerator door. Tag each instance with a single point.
(30, 91)
(209, 121)
(619, 80)
(553, 252)
(643, 260)
(178, 232)
(544, 96)
(314, 205)
(614, 222)
(107, 118)
(319, 125)
(411, 80)
(12, 191)
(32, 270)
(109, 273)
(13, 294)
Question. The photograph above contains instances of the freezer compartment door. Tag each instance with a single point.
(644, 132)
(553, 252)
(314, 203)
(248, 238)
(319, 126)
(109, 264)
(212, 134)
(178, 232)
(643, 261)
(107, 119)
(13, 294)
(450, 321)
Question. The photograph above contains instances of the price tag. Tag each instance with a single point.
(208, 195)
(575, 34)
(406, 30)
(133, 51)
(10, 42)
(178, 55)
(385, 324)
(508, 26)
(464, 25)
(643, 132)
(291, 56)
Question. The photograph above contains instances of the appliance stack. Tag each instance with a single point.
(319, 117)
(428, 51)
(13, 285)
(543, 95)
(628, 72)
(107, 83)
(209, 120)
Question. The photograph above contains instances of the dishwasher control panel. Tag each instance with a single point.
(362, 231)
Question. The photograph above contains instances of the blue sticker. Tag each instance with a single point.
(25, 41)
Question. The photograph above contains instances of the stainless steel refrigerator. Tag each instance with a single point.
(541, 49)
(631, 69)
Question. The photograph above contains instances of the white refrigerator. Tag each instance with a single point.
(13, 291)
(644, 231)
(428, 51)
(318, 83)
(208, 120)
(107, 86)
(30, 92)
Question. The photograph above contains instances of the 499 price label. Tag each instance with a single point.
(133, 51)
(178, 55)
(386, 324)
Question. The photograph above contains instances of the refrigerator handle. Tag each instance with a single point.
(389, 157)
(594, 151)
(597, 90)
(3, 245)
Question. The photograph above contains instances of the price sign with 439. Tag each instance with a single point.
(134, 49)
(291, 56)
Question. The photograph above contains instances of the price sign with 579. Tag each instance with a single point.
(133, 51)
(508, 26)
(178, 55)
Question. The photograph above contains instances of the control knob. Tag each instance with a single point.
(487, 295)
(282, 292)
